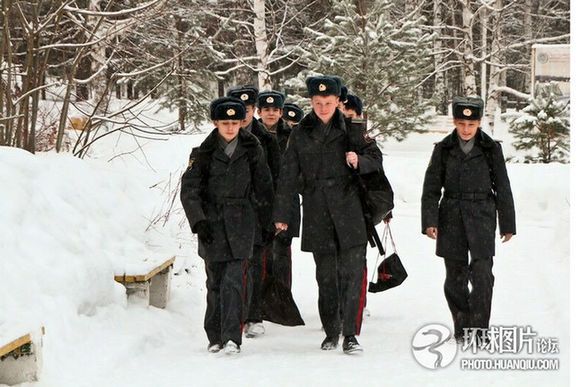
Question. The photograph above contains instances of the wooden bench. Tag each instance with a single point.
(20, 359)
(78, 123)
(153, 285)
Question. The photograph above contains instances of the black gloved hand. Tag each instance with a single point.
(204, 231)
(268, 233)
(284, 238)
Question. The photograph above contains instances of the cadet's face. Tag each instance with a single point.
(228, 129)
(324, 106)
(249, 115)
(466, 129)
(270, 115)
(350, 113)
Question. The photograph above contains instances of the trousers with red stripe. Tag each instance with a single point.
(226, 285)
(342, 281)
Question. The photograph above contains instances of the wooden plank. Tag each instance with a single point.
(19, 342)
(145, 277)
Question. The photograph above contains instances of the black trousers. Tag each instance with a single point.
(226, 286)
(341, 288)
(256, 276)
(469, 308)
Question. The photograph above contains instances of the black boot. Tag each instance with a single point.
(330, 343)
(350, 345)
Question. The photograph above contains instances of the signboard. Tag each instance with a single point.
(551, 62)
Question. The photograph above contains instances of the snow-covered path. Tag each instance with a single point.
(94, 338)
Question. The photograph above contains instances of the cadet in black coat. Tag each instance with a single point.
(470, 167)
(292, 114)
(278, 254)
(264, 231)
(333, 223)
(226, 189)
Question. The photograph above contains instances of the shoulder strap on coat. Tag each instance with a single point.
(357, 134)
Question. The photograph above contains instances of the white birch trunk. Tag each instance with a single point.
(468, 57)
(496, 79)
(528, 31)
(483, 66)
(98, 86)
(264, 82)
(439, 81)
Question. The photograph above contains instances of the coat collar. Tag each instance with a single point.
(282, 128)
(211, 144)
(482, 140)
(311, 123)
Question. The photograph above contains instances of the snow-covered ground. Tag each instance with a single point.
(68, 225)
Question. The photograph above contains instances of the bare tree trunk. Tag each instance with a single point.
(264, 81)
(468, 52)
(528, 32)
(180, 72)
(7, 92)
(98, 53)
(362, 11)
(83, 72)
(439, 82)
(27, 82)
(484, 47)
(496, 72)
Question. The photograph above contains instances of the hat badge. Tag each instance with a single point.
(230, 112)
(269, 100)
(291, 114)
(322, 87)
(467, 112)
(244, 97)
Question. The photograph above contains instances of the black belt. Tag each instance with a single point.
(328, 182)
(228, 201)
(468, 195)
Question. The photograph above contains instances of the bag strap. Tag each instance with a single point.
(391, 237)
(386, 231)
(379, 254)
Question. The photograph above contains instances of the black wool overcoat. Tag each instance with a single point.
(232, 194)
(332, 212)
(476, 189)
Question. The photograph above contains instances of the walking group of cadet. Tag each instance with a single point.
(241, 195)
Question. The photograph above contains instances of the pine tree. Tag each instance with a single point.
(544, 126)
(380, 56)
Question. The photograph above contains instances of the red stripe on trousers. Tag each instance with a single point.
(265, 251)
(290, 268)
(362, 300)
